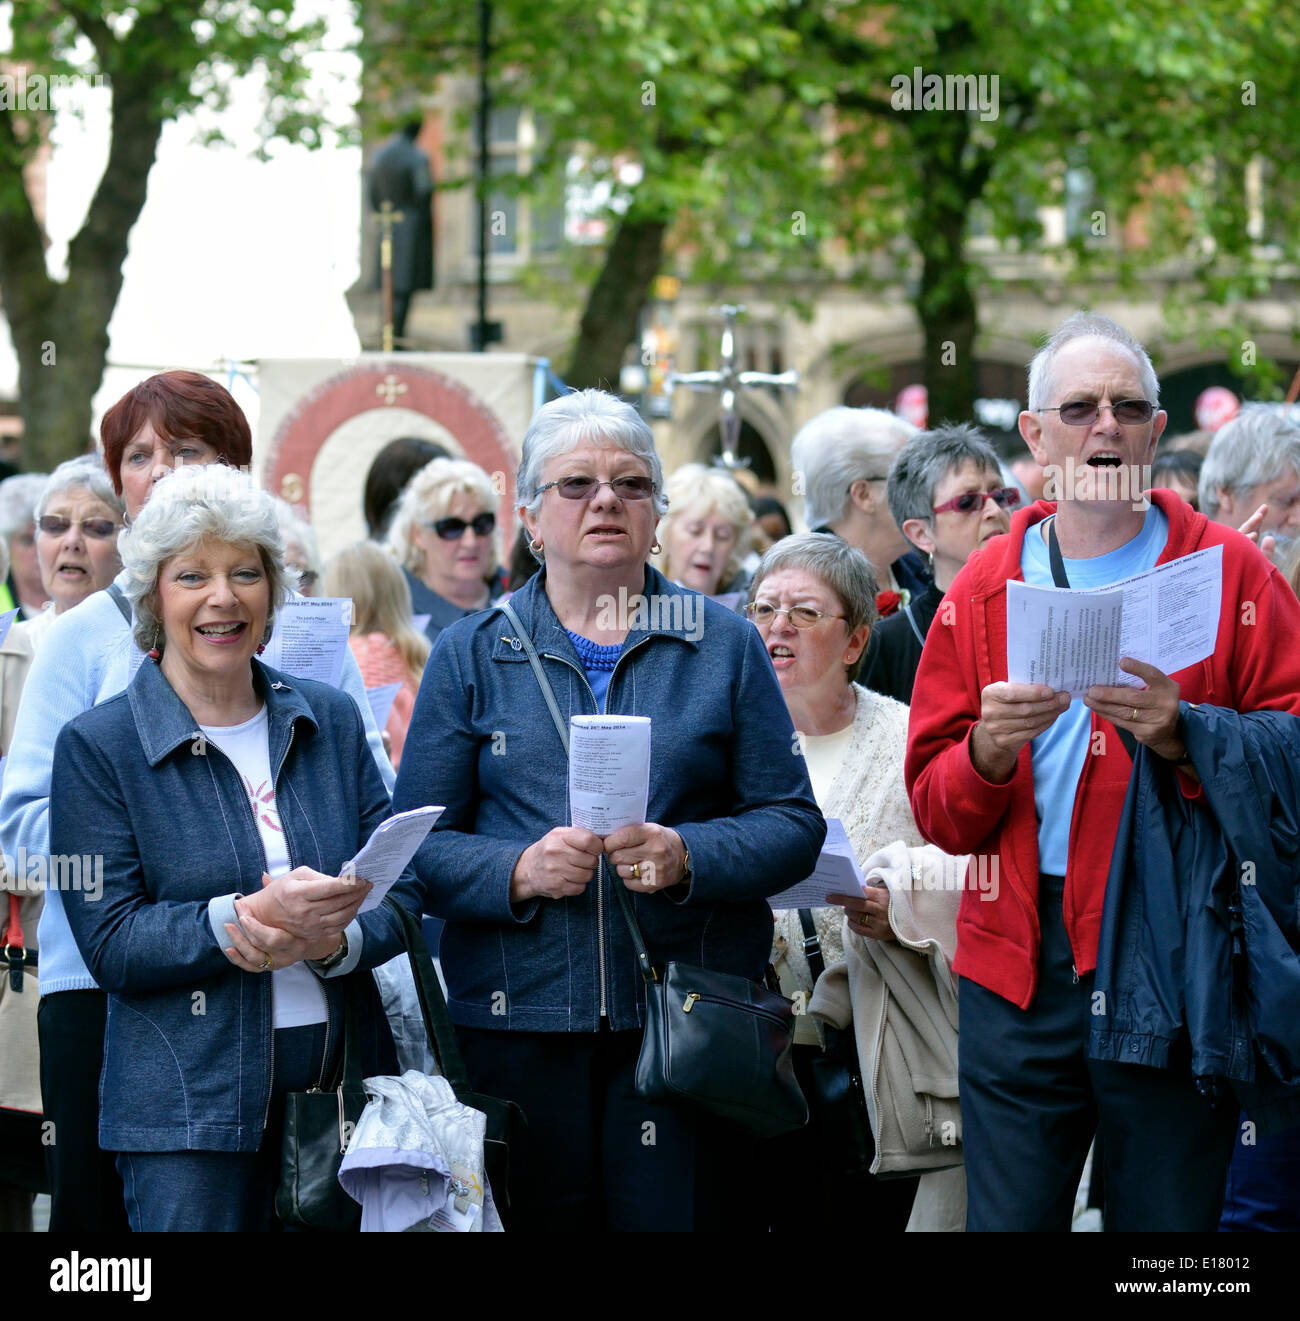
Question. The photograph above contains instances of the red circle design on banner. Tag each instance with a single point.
(322, 410)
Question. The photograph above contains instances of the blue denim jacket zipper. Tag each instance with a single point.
(602, 870)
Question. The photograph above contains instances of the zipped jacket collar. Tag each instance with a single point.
(667, 608)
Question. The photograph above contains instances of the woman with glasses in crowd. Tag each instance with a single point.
(813, 603)
(947, 494)
(172, 419)
(444, 537)
(542, 977)
(78, 517)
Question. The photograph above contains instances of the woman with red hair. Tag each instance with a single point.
(173, 418)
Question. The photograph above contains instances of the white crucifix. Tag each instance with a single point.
(390, 387)
(728, 381)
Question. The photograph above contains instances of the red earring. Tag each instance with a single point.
(153, 653)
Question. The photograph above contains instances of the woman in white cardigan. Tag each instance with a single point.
(813, 601)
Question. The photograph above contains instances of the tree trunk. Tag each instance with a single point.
(609, 321)
(60, 330)
(945, 302)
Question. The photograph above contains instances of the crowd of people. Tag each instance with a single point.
(969, 1024)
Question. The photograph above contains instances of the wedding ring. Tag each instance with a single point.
(636, 871)
(267, 965)
(1134, 716)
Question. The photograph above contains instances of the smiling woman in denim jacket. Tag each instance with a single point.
(223, 801)
(542, 977)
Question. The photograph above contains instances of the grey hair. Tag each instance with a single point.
(926, 460)
(839, 447)
(293, 524)
(1087, 325)
(18, 497)
(590, 417)
(1257, 446)
(696, 486)
(427, 497)
(843, 568)
(84, 473)
(193, 504)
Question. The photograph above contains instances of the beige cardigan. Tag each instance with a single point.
(869, 797)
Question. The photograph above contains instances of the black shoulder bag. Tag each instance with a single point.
(712, 1039)
(318, 1125)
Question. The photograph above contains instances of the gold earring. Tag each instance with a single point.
(535, 546)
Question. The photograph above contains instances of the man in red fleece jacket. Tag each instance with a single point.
(1033, 785)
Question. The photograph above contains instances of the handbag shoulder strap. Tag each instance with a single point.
(438, 1026)
(812, 945)
(624, 903)
(119, 599)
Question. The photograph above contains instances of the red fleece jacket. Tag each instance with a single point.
(1255, 666)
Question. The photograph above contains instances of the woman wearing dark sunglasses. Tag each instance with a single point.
(444, 537)
(947, 494)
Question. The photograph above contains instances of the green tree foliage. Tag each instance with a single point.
(777, 146)
(159, 58)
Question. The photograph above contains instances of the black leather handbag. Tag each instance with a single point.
(712, 1039)
(318, 1125)
(717, 1041)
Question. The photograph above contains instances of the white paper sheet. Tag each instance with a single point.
(837, 872)
(389, 849)
(1070, 640)
(609, 771)
(381, 702)
(311, 638)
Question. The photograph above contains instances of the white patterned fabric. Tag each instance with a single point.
(415, 1162)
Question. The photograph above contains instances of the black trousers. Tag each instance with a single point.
(85, 1188)
(598, 1157)
(1031, 1101)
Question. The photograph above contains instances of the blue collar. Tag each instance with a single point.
(164, 722)
(664, 613)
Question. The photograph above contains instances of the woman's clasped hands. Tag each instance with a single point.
(300, 915)
(561, 864)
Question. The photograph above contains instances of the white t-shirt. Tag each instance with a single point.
(824, 755)
(296, 995)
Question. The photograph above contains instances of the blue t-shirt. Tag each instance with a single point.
(599, 663)
(1059, 751)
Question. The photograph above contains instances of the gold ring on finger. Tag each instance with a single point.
(636, 871)
(1134, 716)
(267, 963)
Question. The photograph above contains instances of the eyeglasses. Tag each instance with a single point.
(969, 501)
(1084, 412)
(452, 529)
(585, 488)
(763, 613)
(98, 529)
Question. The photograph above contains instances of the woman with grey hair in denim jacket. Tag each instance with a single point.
(541, 973)
(223, 802)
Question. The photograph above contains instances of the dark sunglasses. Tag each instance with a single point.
(1005, 497)
(585, 488)
(452, 529)
(99, 529)
(1083, 412)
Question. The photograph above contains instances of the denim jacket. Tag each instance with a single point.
(726, 773)
(189, 1044)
